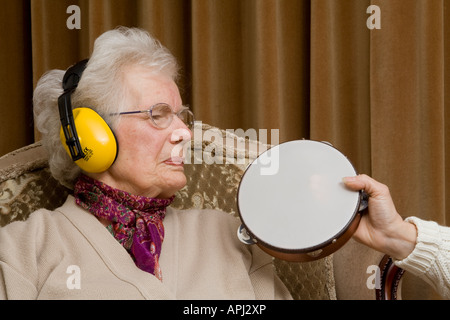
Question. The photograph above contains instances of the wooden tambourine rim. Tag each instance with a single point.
(317, 251)
(390, 280)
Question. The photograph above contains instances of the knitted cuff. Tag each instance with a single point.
(426, 249)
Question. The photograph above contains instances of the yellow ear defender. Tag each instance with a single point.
(86, 137)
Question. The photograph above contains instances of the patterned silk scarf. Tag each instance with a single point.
(136, 221)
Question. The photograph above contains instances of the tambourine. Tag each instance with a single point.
(293, 204)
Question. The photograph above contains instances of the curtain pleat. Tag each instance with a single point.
(16, 119)
(445, 219)
(311, 69)
(216, 73)
(340, 91)
(407, 107)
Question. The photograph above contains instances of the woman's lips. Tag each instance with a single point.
(175, 161)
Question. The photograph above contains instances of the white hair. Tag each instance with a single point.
(101, 88)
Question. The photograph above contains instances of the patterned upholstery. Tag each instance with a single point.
(26, 185)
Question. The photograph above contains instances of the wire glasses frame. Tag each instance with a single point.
(161, 115)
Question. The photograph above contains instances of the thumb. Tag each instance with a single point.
(363, 182)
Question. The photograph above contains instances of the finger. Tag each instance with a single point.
(353, 183)
(366, 183)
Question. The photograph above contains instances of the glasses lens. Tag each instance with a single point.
(161, 115)
(187, 117)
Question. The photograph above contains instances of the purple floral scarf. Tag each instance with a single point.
(136, 221)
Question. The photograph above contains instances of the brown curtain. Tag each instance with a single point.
(312, 69)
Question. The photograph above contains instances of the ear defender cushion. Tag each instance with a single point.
(97, 141)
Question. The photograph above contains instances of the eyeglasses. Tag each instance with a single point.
(161, 115)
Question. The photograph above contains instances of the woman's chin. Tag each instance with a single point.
(174, 184)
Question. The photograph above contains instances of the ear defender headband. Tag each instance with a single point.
(84, 134)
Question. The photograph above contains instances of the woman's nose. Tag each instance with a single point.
(181, 134)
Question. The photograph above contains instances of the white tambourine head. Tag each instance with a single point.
(292, 196)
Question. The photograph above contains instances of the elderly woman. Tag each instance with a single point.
(117, 232)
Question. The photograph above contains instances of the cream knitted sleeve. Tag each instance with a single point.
(430, 259)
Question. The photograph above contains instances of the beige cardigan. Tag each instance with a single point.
(68, 254)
